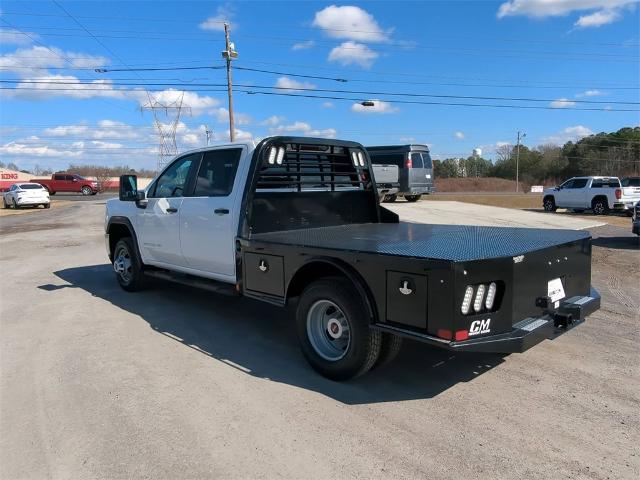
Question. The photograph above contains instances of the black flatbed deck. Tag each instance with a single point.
(438, 242)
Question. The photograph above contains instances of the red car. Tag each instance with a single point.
(68, 182)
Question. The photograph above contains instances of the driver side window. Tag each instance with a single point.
(173, 181)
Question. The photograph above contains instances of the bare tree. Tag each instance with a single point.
(503, 152)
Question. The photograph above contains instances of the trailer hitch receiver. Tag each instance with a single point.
(562, 320)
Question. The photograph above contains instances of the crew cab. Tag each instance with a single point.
(599, 194)
(298, 220)
(68, 182)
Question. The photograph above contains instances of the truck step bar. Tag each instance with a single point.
(193, 281)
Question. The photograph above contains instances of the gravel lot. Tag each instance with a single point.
(178, 383)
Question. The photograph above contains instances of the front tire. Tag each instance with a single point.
(4, 203)
(46, 205)
(549, 204)
(15, 204)
(127, 265)
(390, 198)
(412, 198)
(333, 330)
(86, 191)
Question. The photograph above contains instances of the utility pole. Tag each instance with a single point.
(229, 53)
(520, 135)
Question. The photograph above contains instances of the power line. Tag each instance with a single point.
(308, 89)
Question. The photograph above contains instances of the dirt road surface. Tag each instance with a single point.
(177, 383)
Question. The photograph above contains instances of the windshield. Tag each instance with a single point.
(30, 186)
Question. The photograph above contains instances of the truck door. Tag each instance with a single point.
(563, 194)
(208, 218)
(577, 194)
(159, 223)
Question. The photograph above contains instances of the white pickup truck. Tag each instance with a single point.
(599, 194)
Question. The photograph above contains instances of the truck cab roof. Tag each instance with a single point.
(400, 148)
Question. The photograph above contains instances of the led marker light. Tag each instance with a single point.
(280, 156)
(477, 303)
(466, 302)
(491, 296)
(272, 156)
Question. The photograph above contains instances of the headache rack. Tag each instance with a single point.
(303, 167)
(307, 183)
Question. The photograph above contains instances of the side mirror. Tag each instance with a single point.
(128, 188)
(74, 180)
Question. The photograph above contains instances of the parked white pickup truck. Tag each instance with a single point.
(599, 194)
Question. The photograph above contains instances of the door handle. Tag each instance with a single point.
(172, 210)
(221, 211)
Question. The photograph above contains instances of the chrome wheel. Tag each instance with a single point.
(549, 205)
(122, 264)
(598, 208)
(86, 191)
(328, 330)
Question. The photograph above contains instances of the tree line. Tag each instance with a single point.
(609, 154)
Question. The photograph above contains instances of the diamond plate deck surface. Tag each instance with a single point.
(442, 242)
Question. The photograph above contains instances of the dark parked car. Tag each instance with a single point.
(414, 167)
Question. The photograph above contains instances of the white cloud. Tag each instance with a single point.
(216, 22)
(10, 36)
(562, 103)
(304, 129)
(554, 8)
(327, 105)
(43, 57)
(606, 11)
(273, 120)
(350, 22)
(459, 135)
(590, 93)
(222, 116)
(22, 149)
(379, 106)
(568, 134)
(106, 145)
(597, 19)
(303, 45)
(293, 85)
(47, 86)
(352, 53)
(66, 130)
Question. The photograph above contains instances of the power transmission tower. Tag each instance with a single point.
(168, 147)
(229, 54)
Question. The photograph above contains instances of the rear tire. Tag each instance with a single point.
(600, 207)
(390, 198)
(391, 346)
(412, 198)
(128, 266)
(549, 204)
(333, 330)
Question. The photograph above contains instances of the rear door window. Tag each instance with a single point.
(631, 182)
(416, 160)
(58, 177)
(605, 183)
(426, 160)
(217, 173)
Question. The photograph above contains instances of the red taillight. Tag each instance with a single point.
(461, 335)
(443, 333)
(618, 194)
(409, 163)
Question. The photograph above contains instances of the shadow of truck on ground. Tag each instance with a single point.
(259, 339)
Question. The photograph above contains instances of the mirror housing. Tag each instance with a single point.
(128, 189)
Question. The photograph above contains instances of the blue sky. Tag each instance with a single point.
(559, 53)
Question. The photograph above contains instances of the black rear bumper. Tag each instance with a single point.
(525, 334)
